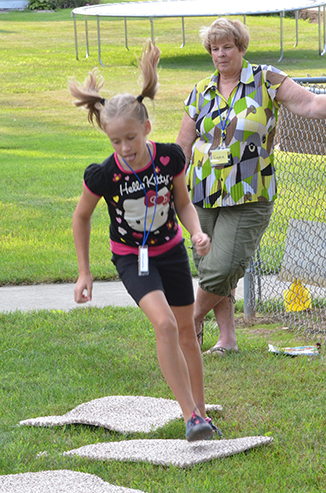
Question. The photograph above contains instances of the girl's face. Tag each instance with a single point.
(226, 57)
(128, 138)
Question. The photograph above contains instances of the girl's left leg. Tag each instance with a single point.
(188, 342)
(191, 350)
(173, 363)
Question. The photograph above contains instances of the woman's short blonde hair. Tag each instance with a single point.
(225, 29)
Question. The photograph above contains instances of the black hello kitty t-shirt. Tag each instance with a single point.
(126, 200)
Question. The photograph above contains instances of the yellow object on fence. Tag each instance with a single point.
(297, 298)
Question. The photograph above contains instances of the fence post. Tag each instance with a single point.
(249, 292)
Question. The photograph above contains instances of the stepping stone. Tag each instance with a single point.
(125, 414)
(54, 481)
(168, 452)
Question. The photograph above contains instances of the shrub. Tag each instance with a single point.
(41, 5)
(59, 4)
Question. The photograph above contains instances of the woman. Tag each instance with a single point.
(227, 135)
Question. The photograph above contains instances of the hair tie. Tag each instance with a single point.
(102, 101)
(140, 98)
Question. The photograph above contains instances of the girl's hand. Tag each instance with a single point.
(202, 243)
(84, 283)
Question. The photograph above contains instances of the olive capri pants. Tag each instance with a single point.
(235, 233)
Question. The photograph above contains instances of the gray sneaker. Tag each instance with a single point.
(198, 429)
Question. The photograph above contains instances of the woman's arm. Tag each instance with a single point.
(301, 101)
(187, 136)
(81, 225)
(188, 215)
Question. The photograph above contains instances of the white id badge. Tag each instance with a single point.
(220, 157)
(143, 267)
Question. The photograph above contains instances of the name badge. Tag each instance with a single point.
(220, 157)
(143, 266)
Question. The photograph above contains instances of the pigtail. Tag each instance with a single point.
(89, 97)
(126, 105)
(148, 64)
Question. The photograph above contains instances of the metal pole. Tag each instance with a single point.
(126, 36)
(258, 271)
(296, 28)
(75, 30)
(319, 29)
(152, 29)
(86, 35)
(249, 292)
(183, 32)
(281, 18)
(99, 41)
(324, 19)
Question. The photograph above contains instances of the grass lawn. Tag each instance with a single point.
(46, 143)
(52, 361)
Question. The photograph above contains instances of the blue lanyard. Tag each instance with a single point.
(226, 121)
(143, 187)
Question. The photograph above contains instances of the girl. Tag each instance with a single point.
(144, 186)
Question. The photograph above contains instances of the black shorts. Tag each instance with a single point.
(169, 272)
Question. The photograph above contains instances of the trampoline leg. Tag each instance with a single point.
(75, 31)
(99, 41)
(321, 51)
(152, 29)
(324, 21)
(319, 30)
(86, 37)
(126, 35)
(281, 19)
(296, 28)
(183, 32)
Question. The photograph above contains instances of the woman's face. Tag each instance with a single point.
(227, 57)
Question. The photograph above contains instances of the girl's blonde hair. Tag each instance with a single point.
(127, 105)
(222, 29)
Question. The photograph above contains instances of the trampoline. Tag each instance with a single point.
(196, 8)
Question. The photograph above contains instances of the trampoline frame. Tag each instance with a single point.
(89, 11)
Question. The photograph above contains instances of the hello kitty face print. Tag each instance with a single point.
(134, 211)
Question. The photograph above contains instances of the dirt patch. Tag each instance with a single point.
(311, 14)
(261, 331)
(240, 322)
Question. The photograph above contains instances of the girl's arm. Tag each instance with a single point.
(81, 225)
(187, 136)
(188, 215)
(301, 101)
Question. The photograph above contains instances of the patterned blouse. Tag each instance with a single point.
(249, 117)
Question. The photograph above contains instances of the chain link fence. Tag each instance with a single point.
(286, 279)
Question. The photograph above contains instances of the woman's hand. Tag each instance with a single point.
(202, 243)
(83, 289)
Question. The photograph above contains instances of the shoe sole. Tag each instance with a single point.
(200, 432)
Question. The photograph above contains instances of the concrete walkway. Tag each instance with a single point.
(61, 296)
